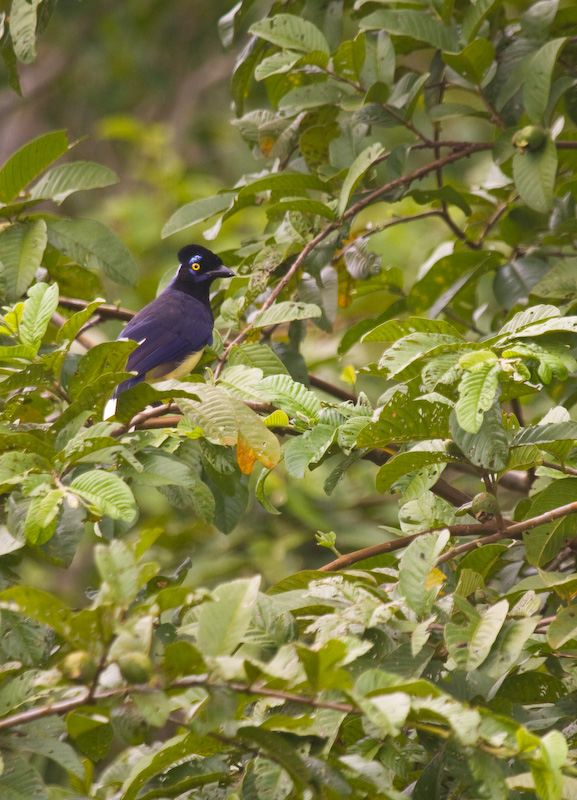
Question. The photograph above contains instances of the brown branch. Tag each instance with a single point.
(389, 224)
(144, 416)
(403, 541)
(495, 119)
(513, 531)
(308, 248)
(493, 219)
(465, 151)
(330, 388)
(421, 172)
(560, 467)
(105, 311)
(242, 688)
(61, 707)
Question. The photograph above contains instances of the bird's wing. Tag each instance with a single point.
(170, 328)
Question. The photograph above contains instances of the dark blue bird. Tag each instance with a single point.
(174, 329)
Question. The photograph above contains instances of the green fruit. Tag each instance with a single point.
(135, 667)
(79, 666)
(484, 506)
(531, 138)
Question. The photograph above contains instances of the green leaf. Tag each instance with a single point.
(91, 732)
(413, 421)
(258, 356)
(544, 542)
(538, 80)
(118, 570)
(515, 280)
(161, 469)
(59, 752)
(80, 629)
(405, 463)
(307, 449)
(546, 434)
(287, 311)
(534, 173)
(28, 162)
(19, 779)
(91, 244)
(445, 194)
(526, 686)
(213, 413)
(23, 22)
(416, 563)
(230, 499)
(560, 282)
(292, 32)
(532, 316)
(474, 16)
(477, 390)
(489, 447)
(100, 360)
(285, 182)
(41, 517)
(395, 329)
(60, 182)
(72, 326)
(197, 211)
(280, 751)
(404, 359)
(563, 628)
(311, 96)
(415, 24)
(508, 646)
(447, 276)
(474, 61)
(223, 622)
(276, 64)
(303, 205)
(38, 310)
(171, 753)
(485, 634)
(22, 246)
(106, 493)
(290, 396)
(357, 170)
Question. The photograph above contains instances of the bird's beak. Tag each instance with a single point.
(221, 272)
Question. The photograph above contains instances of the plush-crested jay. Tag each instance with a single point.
(173, 330)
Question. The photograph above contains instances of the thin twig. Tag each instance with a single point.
(403, 541)
(513, 531)
(463, 152)
(330, 388)
(106, 311)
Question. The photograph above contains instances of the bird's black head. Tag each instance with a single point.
(198, 264)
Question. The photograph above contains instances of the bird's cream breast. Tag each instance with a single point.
(177, 370)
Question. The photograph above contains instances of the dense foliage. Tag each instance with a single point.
(438, 662)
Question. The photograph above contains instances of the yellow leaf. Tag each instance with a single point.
(435, 578)
(245, 456)
(349, 375)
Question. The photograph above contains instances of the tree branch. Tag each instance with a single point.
(403, 541)
(512, 531)
(105, 311)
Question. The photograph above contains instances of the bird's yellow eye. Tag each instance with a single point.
(195, 266)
